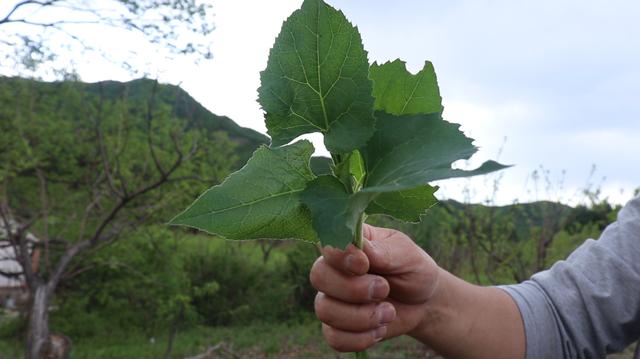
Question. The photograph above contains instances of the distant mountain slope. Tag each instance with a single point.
(524, 216)
(182, 104)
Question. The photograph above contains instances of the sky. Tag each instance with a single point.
(551, 87)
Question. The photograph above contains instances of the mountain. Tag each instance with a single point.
(140, 91)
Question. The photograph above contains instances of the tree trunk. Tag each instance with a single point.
(38, 329)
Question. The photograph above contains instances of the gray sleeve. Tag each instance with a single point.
(588, 305)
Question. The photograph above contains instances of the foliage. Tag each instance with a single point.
(385, 150)
(140, 285)
(83, 168)
(69, 145)
(256, 202)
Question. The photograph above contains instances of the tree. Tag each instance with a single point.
(81, 165)
(36, 31)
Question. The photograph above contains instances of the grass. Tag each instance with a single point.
(302, 340)
(299, 340)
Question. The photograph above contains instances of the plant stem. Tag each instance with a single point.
(359, 242)
(361, 355)
(357, 238)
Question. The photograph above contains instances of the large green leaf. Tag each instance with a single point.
(316, 80)
(403, 156)
(399, 92)
(413, 150)
(261, 200)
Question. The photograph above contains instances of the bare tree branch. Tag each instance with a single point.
(98, 237)
(55, 24)
(11, 275)
(24, 3)
(44, 203)
(150, 104)
(103, 151)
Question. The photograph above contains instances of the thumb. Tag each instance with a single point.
(411, 273)
(389, 251)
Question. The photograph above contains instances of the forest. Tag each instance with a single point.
(90, 174)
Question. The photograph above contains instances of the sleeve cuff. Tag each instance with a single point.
(543, 335)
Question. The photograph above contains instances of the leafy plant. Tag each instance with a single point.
(382, 125)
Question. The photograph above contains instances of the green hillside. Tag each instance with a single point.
(138, 92)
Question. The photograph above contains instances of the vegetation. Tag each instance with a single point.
(83, 165)
(89, 174)
(160, 292)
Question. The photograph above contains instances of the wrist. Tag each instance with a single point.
(433, 310)
(445, 316)
(463, 320)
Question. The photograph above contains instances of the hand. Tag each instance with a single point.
(379, 293)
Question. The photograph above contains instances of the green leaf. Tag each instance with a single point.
(413, 150)
(261, 200)
(321, 165)
(327, 198)
(399, 92)
(406, 205)
(356, 170)
(317, 80)
(403, 156)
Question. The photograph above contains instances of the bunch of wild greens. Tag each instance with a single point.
(382, 125)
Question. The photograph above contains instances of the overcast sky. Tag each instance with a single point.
(538, 83)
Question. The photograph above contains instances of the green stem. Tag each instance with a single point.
(361, 355)
(357, 238)
(359, 242)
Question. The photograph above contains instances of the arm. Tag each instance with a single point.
(393, 288)
(587, 306)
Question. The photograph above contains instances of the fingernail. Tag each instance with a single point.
(385, 313)
(377, 289)
(379, 333)
(348, 262)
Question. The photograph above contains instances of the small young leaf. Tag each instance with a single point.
(398, 92)
(356, 170)
(317, 80)
(351, 171)
(261, 200)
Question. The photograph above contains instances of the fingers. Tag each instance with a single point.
(344, 341)
(351, 260)
(353, 327)
(353, 317)
(349, 288)
(354, 261)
